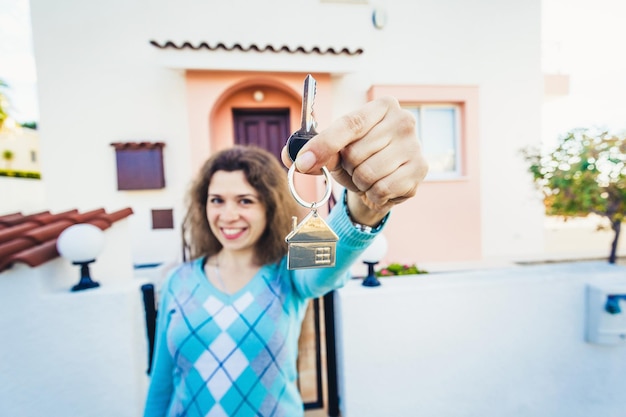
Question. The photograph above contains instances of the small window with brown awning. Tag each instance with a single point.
(139, 165)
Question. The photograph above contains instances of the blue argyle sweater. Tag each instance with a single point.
(235, 355)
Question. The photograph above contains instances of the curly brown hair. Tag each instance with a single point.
(267, 176)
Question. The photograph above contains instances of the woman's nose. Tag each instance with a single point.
(230, 212)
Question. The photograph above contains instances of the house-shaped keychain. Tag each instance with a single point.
(311, 244)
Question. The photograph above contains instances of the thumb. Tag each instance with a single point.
(324, 149)
(316, 153)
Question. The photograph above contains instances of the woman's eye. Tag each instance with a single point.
(215, 200)
(246, 201)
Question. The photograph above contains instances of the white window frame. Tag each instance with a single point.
(417, 111)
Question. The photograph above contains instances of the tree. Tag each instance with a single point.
(586, 173)
(30, 125)
(8, 156)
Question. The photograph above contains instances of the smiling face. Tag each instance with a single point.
(234, 210)
(264, 175)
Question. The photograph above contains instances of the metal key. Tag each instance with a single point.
(307, 129)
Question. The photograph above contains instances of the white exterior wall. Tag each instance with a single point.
(496, 46)
(100, 81)
(98, 84)
(505, 342)
(24, 195)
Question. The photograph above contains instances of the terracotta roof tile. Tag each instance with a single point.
(33, 255)
(138, 145)
(31, 239)
(47, 218)
(42, 234)
(9, 233)
(120, 214)
(8, 249)
(257, 48)
(16, 218)
(90, 215)
(103, 224)
(5, 217)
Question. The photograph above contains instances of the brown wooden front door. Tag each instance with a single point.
(266, 128)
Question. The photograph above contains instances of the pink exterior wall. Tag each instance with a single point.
(443, 222)
(213, 94)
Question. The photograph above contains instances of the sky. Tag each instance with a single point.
(17, 64)
(581, 38)
(585, 39)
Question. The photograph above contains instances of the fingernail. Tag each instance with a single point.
(305, 161)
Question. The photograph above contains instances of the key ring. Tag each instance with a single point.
(312, 206)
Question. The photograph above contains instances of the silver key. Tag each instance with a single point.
(307, 129)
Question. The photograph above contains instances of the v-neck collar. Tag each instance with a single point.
(264, 270)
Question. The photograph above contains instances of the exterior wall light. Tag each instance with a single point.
(81, 244)
(258, 96)
(379, 18)
(371, 256)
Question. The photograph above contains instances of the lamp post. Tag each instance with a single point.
(371, 256)
(81, 244)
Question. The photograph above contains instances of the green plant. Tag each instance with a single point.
(30, 125)
(8, 156)
(585, 173)
(399, 269)
(20, 174)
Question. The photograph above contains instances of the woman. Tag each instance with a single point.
(229, 320)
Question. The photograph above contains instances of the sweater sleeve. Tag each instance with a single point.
(312, 283)
(161, 381)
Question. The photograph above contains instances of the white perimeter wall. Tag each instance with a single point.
(506, 342)
(71, 354)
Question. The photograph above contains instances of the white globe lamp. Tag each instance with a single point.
(81, 244)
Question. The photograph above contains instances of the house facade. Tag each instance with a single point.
(134, 96)
(19, 148)
(196, 77)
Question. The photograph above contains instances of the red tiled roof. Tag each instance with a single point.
(32, 239)
(258, 48)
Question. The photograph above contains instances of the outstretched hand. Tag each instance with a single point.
(373, 152)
